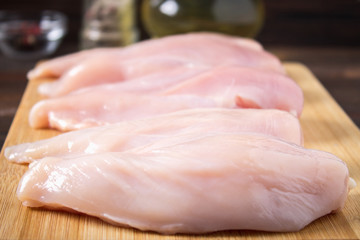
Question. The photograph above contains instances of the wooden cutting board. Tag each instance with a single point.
(325, 125)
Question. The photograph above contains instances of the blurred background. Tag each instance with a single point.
(322, 34)
(291, 23)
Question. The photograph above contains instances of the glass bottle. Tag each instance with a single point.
(235, 17)
(108, 23)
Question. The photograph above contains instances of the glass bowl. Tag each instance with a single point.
(31, 35)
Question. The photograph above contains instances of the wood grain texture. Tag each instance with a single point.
(325, 125)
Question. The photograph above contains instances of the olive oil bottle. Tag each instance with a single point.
(235, 17)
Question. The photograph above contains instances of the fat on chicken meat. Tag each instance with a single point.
(131, 134)
(223, 87)
(211, 183)
(186, 51)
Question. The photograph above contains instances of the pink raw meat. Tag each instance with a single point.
(212, 183)
(131, 134)
(181, 51)
(225, 87)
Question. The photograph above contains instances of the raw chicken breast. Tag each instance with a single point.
(158, 72)
(225, 87)
(130, 134)
(58, 66)
(212, 183)
(181, 51)
(93, 108)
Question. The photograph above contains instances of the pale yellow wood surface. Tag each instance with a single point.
(325, 125)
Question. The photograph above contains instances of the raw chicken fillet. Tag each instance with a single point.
(215, 182)
(184, 51)
(130, 134)
(224, 87)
